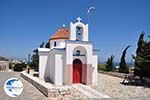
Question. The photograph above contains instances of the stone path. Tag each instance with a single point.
(89, 92)
(111, 86)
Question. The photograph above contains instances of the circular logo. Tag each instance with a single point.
(13, 87)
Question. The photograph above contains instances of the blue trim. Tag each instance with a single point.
(78, 55)
(58, 49)
(75, 41)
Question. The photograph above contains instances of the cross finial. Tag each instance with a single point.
(79, 19)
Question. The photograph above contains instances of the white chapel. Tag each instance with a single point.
(70, 58)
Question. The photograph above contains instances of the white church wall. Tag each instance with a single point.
(85, 30)
(83, 53)
(90, 59)
(85, 36)
(70, 48)
(47, 69)
(69, 54)
(64, 67)
(94, 65)
(58, 69)
(56, 64)
(72, 32)
(43, 56)
(89, 49)
(51, 65)
(60, 43)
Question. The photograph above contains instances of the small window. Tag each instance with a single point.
(78, 53)
(55, 44)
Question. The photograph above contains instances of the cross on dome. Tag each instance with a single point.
(79, 19)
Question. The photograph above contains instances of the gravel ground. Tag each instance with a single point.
(111, 86)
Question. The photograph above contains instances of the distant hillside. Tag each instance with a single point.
(3, 58)
(130, 64)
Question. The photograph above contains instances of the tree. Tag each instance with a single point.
(110, 64)
(142, 58)
(123, 66)
(47, 45)
(42, 45)
(139, 58)
(35, 58)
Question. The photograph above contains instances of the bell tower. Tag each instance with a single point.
(79, 31)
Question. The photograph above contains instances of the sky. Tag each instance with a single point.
(113, 25)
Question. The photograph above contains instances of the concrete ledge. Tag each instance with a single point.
(47, 89)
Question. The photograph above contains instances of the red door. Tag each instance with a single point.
(77, 71)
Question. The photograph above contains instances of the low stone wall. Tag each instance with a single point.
(115, 74)
(4, 65)
(121, 75)
(47, 89)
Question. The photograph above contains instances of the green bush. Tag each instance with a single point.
(102, 67)
(19, 67)
(110, 64)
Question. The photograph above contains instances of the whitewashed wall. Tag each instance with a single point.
(60, 43)
(43, 57)
(94, 65)
(73, 26)
(51, 63)
(70, 48)
(4, 65)
(58, 69)
(90, 58)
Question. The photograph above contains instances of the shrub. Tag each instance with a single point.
(110, 64)
(19, 67)
(102, 67)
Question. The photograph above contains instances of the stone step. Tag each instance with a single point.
(89, 92)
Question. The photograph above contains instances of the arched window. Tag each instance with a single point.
(78, 53)
(55, 44)
(79, 31)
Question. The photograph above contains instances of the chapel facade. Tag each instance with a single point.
(70, 58)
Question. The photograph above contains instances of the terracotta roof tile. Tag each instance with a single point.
(62, 33)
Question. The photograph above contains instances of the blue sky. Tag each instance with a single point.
(114, 24)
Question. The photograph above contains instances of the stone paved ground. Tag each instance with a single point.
(76, 95)
(111, 86)
(29, 92)
(107, 85)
